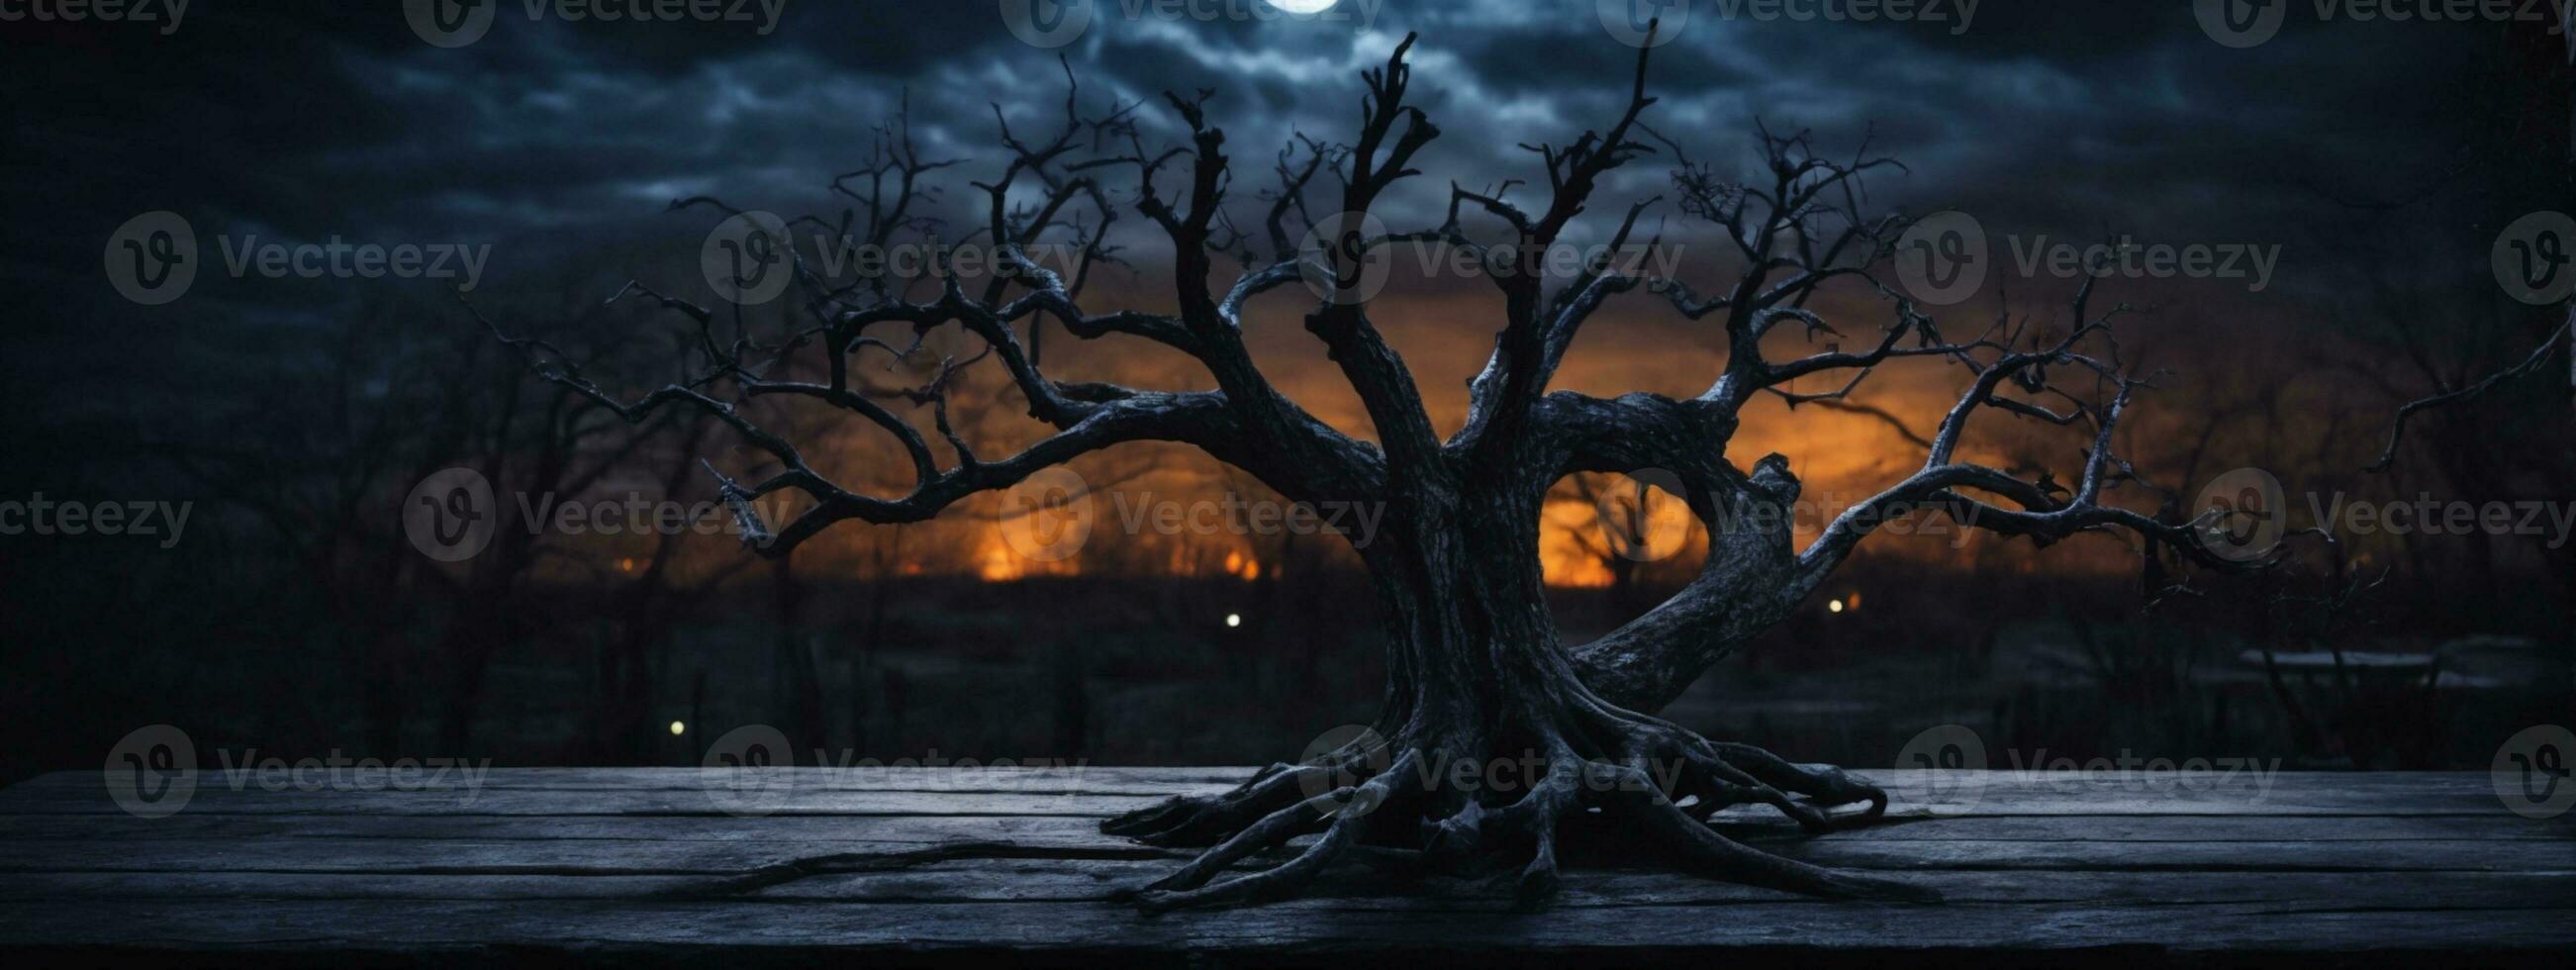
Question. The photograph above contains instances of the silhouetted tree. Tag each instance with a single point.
(1476, 673)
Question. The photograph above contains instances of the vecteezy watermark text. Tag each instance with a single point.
(2426, 515)
(167, 13)
(1236, 515)
(1642, 23)
(1957, 771)
(2250, 23)
(1347, 257)
(752, 769)
(2127, 258)
(1050, 516)
(1055, 23)
(1628, 512)
(750, 257)
(339, 772)
(456, 23)
(42, 516)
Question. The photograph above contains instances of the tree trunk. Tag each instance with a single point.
(1491, 740)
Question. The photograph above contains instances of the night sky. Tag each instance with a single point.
(314, 122)
(551, 141)
(2049, 114)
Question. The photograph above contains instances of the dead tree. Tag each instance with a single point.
(1476, 672)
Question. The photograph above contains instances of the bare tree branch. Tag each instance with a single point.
(2530, 364)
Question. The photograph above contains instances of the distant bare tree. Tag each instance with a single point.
(1623, 534)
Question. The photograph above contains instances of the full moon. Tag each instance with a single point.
(1303, 6)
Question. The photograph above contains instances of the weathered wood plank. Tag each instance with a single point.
(945, 828)
(598, 802)
(1092, 880)
(897, 865)
(1308, 928)
(816, 791)
(1092, 779)
(1158, 780)
(574, 857)
(1103, 779)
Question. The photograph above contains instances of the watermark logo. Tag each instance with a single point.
(1338, 261)
(450, 516)
(450, 23)
(1047, 23)
(1942, 258)
(2531, 772)
(2531, 258)
(1343, 752)
(1954, 760)
(747, 258)
(1643, 23)
(2240, 23)
(737, 772)
(152, 258)
(2240, 514)
(1637, 515)
(1047, 517)
(152, 773)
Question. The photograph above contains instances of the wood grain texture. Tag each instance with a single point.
(900, 866)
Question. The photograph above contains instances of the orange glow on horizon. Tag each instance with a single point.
(1239, 565)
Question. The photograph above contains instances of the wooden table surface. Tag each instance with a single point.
(892, 866)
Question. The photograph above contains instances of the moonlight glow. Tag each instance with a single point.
(1303, 6)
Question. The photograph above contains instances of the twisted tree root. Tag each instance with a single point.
(1414, 817)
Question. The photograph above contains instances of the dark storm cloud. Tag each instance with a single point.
(312, 119)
